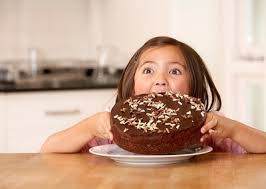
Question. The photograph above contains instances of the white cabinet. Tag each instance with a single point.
(33, 116)
(245, 65)
(2, 124)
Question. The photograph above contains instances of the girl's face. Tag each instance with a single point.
(162, 69)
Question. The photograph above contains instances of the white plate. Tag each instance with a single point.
(124, 157)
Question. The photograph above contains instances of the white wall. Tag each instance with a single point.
(57, 28)
(8, 29)
(128, 24)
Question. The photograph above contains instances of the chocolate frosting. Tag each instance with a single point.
(158, 113)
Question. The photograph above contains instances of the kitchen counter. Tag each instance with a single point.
(52, 85)
(59, 76)
(213, 170)
(62, 80)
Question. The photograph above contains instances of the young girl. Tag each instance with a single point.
(164, 64)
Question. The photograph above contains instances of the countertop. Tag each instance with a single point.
(61, 78)
(212, 170)
(55, 85)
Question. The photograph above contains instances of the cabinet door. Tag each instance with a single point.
(244, 66)
(32, 117)
(3, 133)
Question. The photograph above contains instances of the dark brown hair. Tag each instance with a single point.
(201, 84)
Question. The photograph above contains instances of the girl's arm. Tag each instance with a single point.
(73, 139)
(252, 140)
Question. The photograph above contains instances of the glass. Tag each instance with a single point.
(106, 61)
(33, 56)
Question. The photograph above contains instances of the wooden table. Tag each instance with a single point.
(213, 170)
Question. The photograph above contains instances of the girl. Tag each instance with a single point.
(164, 64)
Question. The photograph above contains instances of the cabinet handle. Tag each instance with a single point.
(252, 58)
(62, 112)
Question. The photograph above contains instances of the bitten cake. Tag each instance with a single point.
(157, 123)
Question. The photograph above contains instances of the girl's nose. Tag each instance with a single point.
(160, 80)
(162, 83)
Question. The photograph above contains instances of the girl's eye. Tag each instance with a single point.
(175, 71)
(147, 71)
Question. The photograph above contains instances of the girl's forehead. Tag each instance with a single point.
(168, 53)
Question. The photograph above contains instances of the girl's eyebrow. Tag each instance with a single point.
(179, 63)
(147, 61)
(174, 62)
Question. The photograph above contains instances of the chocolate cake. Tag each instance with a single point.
(157, 123)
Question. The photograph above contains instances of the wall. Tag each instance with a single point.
(8, 29)
(57, 28)
(128, 24)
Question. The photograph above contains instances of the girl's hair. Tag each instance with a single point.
(201, 84)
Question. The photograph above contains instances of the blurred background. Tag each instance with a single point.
(60, 60)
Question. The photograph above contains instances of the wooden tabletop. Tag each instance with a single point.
(213, 170)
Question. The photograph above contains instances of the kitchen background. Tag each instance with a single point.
(60, 60)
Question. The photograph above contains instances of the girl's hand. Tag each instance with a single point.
(101, 125)
(217, 126)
